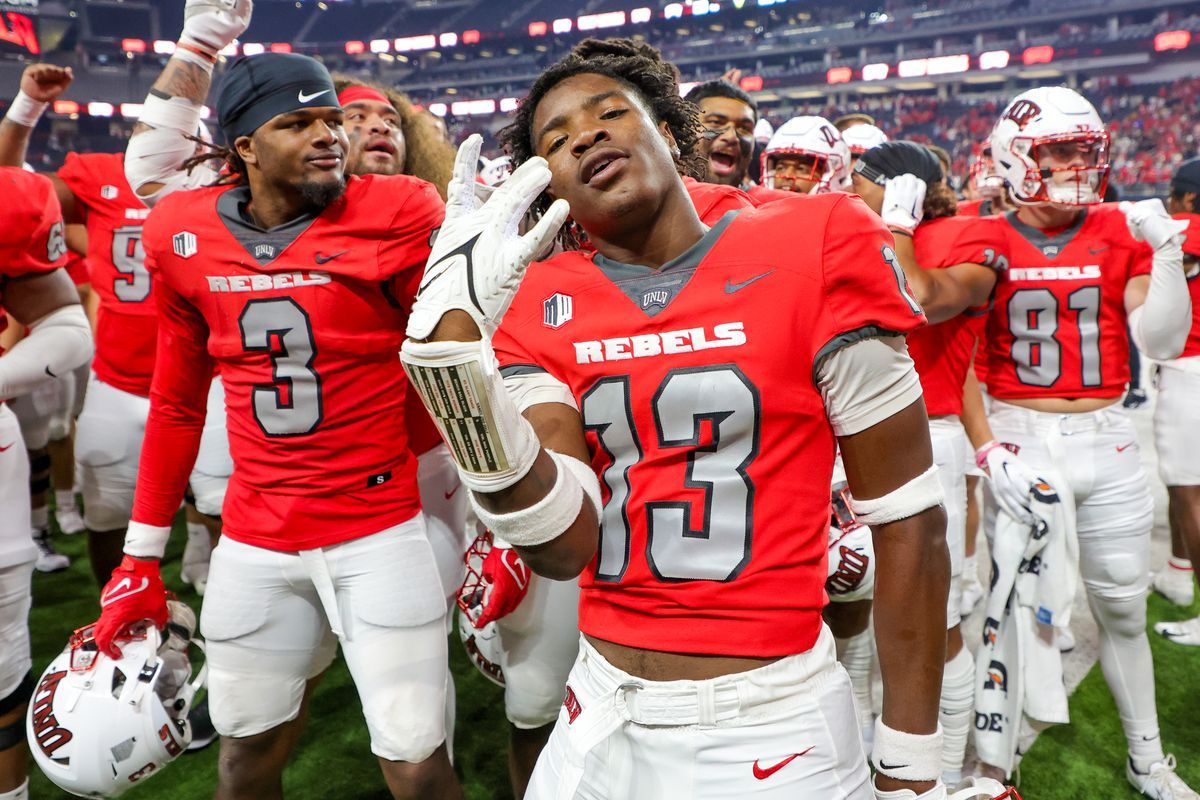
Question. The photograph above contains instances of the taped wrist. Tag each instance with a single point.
(920, 493)
(146, 541)
(25, 110)
(157, 155)
(907, 756)
(1160, 326)
(492, 444)
(546, 519)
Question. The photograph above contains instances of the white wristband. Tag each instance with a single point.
(906, 756)
(146, 541)
(183, 54)
(922, 492)
(25, 110)
(547, 518)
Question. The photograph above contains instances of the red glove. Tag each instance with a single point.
(505, 583)
(134, 593)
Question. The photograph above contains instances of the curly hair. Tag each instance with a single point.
(940, 201)
(636, 65)
(428, 156)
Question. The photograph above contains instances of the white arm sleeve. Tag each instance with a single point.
(57, 343)
(157, 155)
(866, 382)
(1160, 326)
(529, 386)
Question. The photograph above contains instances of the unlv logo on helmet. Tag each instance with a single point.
(829, 134)
(1022, 111)
(50, 735)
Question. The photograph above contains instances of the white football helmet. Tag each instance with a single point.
(483, 645)
(983, 178)
(494, 172)
(1036, 121)
(862, 137)
(97, 726)
(763, 130)
(850, 568)
(815, 138)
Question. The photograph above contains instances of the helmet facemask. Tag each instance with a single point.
(819, 172)
(1069, 169)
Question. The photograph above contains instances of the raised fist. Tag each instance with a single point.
(45, 83)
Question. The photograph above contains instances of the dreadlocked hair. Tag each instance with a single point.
(638, 66)
(231, 169)
(428, 155)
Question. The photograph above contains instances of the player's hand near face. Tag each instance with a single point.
(45, 83)
(479, 258)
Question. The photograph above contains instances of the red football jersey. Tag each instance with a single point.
(943, 352)
(714, 200)
(31, 228)
(1191, 248)
(77, 268)
(1057, 328)
(305, 321)
(761, 195)
(696, 387)
(126, 322)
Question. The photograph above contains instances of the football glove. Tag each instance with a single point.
(1149, 222)
(504, 583)
(135, 593)
(1012, 480)
(938, 792)
(903, 202)
(213, 25)
(479, 258)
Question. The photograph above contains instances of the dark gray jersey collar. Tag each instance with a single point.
(1039, 239)
(263, 245)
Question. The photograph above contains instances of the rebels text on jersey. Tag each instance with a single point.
(943, 352)
(305, 322)
(1057, 327)
(31, 228)
(696, 387)
(126, 324)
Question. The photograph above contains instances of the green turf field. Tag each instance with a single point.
(1083, 761)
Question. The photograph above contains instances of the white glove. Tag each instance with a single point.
(978, 789)
(479, 258)
(938, 792)
(213, 25)
(903, 201)
(1012, 480)
(1149, 222)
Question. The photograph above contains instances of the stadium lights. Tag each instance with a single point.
(508, 104)
(751, 83)
(701, 7)
(131, 110)
(562, 25)
(994, 59)
(875, 72)
(448, 39)
(164, 47)
(253, 49)
(97, 109)
(406, 44)
(133, 45)
(1038, 54)
(355, 48)
(538, 28)
(1172, 40)
(437, 109)
(607, 19)
(640, 15)
(66, 107)
(280, 47)
(470, 37)
(229, 50)
(380, 45)
(473, 107)
(839, 75)
(673, 11)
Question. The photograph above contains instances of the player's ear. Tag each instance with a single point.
(244, 147)
(664, 130)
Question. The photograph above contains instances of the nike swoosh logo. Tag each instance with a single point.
(1096, 250)
(1121, 448)
(116, 595)
(763, 773)
(891, 766)
(324, 259)
(463, 250)
(304, 98)
(731, 287)
(452, 492)
(10, 444)
(51, 374)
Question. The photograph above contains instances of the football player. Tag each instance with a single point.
(728, 117)
(294, 279)
(1175, 421)
(35, 291)
(711, 421)
(92, 189)
(1058, 363)
(806, 155)
(951, 263)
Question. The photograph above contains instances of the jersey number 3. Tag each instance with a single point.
(291, 404)
(678, 549)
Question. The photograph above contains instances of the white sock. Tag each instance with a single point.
(63, 499)
(856, 658)
(970, 568)
(1181, 564)
(40, 517)
(19, 793)
(955, 713)
(197, 529)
